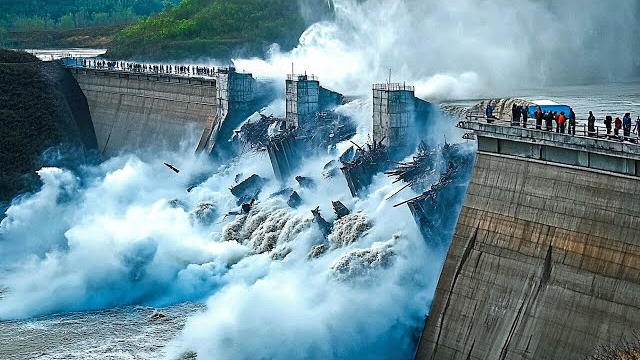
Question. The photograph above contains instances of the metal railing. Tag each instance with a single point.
(159, 77)
(582, 130)
(393, 87)
(299, 77)
(144, 68)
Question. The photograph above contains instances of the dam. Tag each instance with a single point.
(143, 110)
(134, 111)
(545, 258)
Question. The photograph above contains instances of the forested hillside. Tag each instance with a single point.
(217, 28)
(43, 15)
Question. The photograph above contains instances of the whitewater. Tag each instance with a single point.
(116, 260)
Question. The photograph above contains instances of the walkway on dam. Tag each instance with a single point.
(581, 129)
(144, 68)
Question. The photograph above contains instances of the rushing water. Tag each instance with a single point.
(119, 261)
(251, 292)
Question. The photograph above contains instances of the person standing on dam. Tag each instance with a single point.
(618, 126)
(636, 129)
(539, 116)
(572, 122)
(591, 124)
(608, 120)
(626, 125)
(561, 122)
(525, 115)
(516, 111)
(489, 113)
(549, 120)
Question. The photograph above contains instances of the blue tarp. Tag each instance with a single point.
(547, 108)
(73, 62)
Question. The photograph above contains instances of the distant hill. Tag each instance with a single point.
(218, 28)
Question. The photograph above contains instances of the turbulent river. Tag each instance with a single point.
(117, 260)
(125, 264)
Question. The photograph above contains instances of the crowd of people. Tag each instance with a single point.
(149, 68)
(561, 122)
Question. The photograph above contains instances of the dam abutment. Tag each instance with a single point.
(545, 258)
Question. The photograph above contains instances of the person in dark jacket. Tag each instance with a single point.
(608, 120)
(549, 120)
(572, 122)
(591, 124)
(515, 115)
(525, 116)
(626, 124)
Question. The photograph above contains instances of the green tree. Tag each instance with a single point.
(214, 28)
(66, 22)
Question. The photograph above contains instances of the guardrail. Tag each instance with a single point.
(581, 130)
(149, 76)
(393, 87)
(300, 77)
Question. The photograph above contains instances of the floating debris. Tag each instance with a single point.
(324, 226)
(172, 168)
(330, 169)
(248, 189)
(340, 209)
(246, 207)
(254, 132)
(419, 169)
(284, 192)
(360, 166)
(305, 182)
(157, 315)
(294, 200)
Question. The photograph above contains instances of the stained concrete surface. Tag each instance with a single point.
(131, 114)
(544, 264)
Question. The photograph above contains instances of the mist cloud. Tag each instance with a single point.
(466, 49)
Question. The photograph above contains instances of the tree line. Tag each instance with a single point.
(215, 28)
(44, 15)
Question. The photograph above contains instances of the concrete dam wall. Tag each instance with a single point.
(545, 259)
(147, 111)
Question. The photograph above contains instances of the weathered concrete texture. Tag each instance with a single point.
(236, 93)
(397, 117)
(544, 264)
(134, 112)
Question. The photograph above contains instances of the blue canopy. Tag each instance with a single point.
(547, 108)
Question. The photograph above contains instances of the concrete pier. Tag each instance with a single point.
(545, 259)
(307, 124)
(398, 116)
(235, 97)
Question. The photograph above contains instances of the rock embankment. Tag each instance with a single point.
(41, 107)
